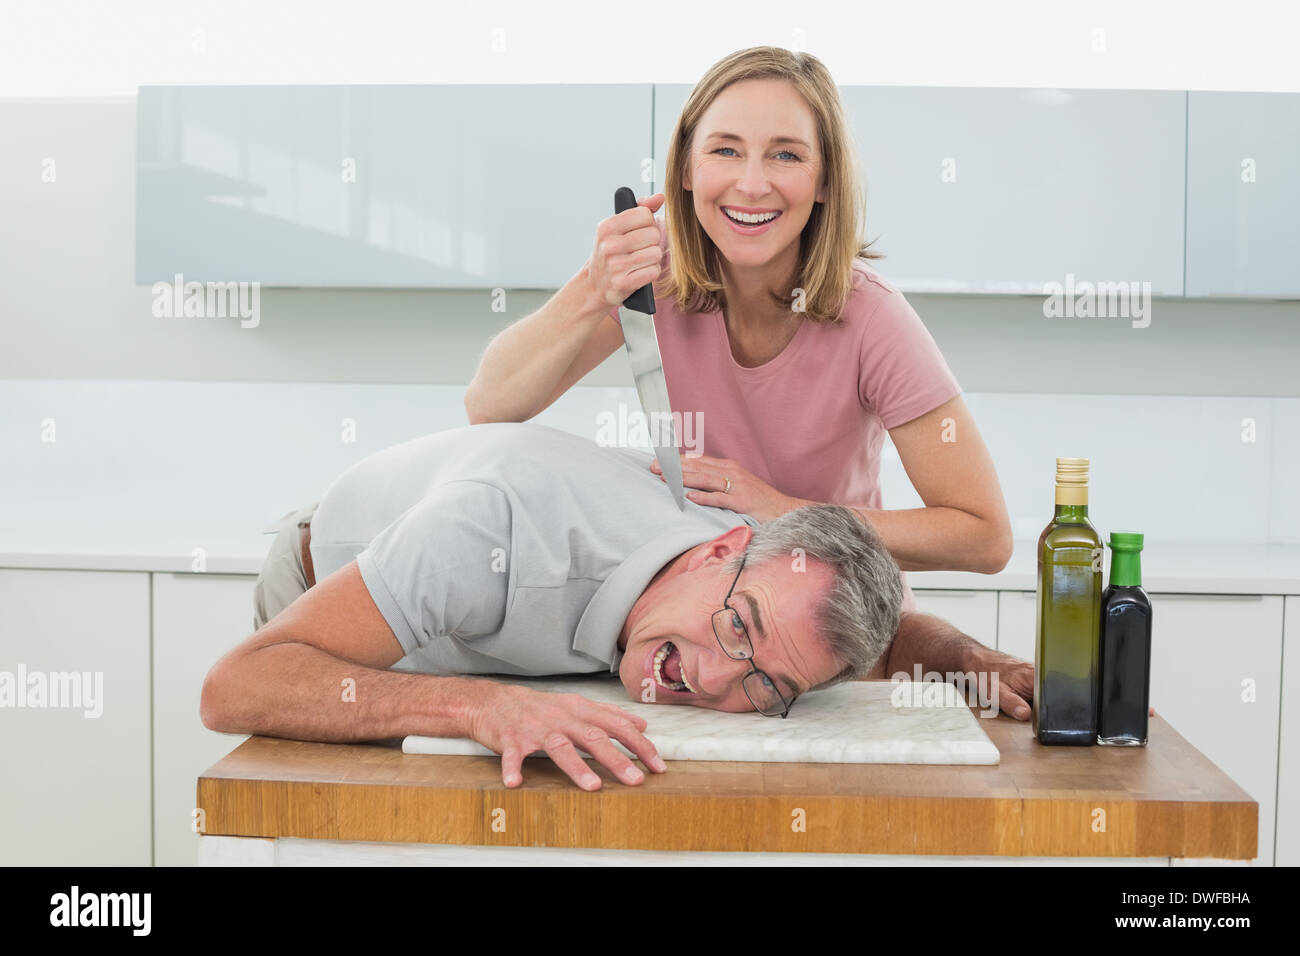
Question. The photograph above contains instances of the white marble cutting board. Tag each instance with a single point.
(854, 722)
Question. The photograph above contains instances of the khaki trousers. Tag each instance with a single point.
(282, 579)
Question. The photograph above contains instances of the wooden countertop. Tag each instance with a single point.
(1165, 799)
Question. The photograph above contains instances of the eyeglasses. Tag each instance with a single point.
(759, 688)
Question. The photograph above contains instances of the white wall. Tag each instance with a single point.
(184, 465)
(110, 49)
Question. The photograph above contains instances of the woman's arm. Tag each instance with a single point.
(964, 525)
(532, 363)
(527, 366)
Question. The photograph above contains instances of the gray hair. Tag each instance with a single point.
(859, 615)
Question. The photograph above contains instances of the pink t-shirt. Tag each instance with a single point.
(811, 421)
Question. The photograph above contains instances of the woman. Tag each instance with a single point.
(789, 354)
(794, 403)
(793, 354)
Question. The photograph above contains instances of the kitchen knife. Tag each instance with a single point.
(637, 317)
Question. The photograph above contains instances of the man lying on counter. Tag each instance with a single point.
(517, 549)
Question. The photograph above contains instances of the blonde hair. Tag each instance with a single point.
(831, 239)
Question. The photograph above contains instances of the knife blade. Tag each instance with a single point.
(642, 343)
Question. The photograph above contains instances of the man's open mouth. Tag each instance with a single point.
(668, 669)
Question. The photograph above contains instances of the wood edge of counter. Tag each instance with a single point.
(619, 818)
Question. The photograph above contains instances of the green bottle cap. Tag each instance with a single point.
(1126, 559)
(1126, 540)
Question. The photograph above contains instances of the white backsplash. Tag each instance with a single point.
(234, 456)
(1171, 467)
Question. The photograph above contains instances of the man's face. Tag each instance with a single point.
(776, 599)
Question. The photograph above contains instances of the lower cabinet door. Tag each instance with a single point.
(1216, 668)
(74, 728)
(197, 618)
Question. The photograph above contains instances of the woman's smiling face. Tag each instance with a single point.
(755, 150)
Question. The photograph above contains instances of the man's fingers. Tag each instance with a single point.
(1011, 703)
(632, 737)
(639, 722)
(640, 745)
(627, 729)
(565, 755)
(595, 740)
(512, 760)
(616, 723)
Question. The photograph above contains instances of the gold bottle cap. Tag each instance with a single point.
(1072, 481)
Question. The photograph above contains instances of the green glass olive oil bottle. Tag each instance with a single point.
(1067, 645)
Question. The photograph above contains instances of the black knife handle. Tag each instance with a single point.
(643, 299)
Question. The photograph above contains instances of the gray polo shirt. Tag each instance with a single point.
(506, 548)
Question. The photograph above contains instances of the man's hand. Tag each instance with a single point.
(932, 644)
(1015, 678)
(514, 721)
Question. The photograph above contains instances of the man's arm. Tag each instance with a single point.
(931, 642)
(936, 645)
(317, 671)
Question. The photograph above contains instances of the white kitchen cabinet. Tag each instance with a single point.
(1243, 194)
(1016, 626)
(1216, 663)
(1288, 771)
(973, 612)
(74, 789)
(196, 619)
(1004, 190)
(432, 186)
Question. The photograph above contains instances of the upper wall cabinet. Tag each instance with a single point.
(1004, 190)
(669, 100)
(441, 186)
(1243, 194)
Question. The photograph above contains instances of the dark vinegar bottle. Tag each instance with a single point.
(1125, 647)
